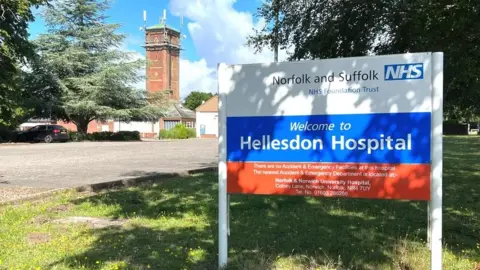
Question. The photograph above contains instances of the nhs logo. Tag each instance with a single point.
(403, 72)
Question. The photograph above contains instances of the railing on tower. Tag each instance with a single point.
(167, 40)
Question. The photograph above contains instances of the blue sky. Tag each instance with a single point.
(215, 30)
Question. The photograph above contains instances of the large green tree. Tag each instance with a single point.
(321, 28)
(449, 26)
(329, 29)
(195, 99)
(96, 79)
(15, 52)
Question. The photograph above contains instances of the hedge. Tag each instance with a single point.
(106, 136)
(178, 132)
(6, 135)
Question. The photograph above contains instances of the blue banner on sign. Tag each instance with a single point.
(369, 138)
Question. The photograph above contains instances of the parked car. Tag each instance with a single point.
(45, 133)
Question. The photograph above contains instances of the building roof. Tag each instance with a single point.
(180, 111)
(211, 105)
(161, 26)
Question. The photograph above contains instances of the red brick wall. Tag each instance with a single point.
(208, 136)
(162, 124)
(158, 65)
(150, 135)
(93, 126)
(175, 77)
(157, 72)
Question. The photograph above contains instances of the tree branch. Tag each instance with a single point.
(2, 17)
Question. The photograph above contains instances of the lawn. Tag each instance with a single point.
(173, 225)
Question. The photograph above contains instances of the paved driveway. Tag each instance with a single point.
(61, 165)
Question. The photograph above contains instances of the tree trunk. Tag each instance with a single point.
(82, 126)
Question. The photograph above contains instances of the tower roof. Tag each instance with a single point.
(162, 26)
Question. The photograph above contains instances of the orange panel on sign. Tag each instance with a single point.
(379, 181)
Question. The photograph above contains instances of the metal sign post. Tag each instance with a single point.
(223, 228)
(437, 162)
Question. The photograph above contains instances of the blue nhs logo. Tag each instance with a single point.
(403, 72)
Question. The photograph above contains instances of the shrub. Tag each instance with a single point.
(75, 136)
(126, 136)
(191, 132)
(6, 135)
(99, 136)
(178, 132)
(114, 136)
(106, 136)
(164, 134)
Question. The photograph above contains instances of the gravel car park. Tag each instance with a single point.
(79, 163)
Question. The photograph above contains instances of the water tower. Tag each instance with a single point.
(162, 46)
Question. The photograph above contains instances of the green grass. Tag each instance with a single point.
(173, 225)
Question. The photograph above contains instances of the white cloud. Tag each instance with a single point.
(219, 33)
(196, 76)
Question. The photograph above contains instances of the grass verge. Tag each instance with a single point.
(172, 225)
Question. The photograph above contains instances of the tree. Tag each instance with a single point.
(449, 26)
(15, 51)
(331, 29)
(320, 28)
(41, 92)
(95, 78)
(195, 99)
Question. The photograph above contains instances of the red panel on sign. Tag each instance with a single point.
(379, 181)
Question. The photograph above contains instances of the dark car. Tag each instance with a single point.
(46, 133)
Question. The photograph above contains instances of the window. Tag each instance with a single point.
(57, 127)
(190, 124)
(169, 124)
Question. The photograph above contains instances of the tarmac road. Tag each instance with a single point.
(63, 165)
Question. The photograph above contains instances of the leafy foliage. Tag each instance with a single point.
(331, 29)
(15, 51)
(320, 28)
(195, 99)
(114, 136)
(95, 78)
(178, 132)
(6, 135)
(106, 136)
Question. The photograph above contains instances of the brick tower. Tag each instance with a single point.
(162, 45)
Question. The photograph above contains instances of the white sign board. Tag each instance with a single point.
(364, 127)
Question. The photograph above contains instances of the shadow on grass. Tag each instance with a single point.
(142, 247)
(462, 194)
(175, 225)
